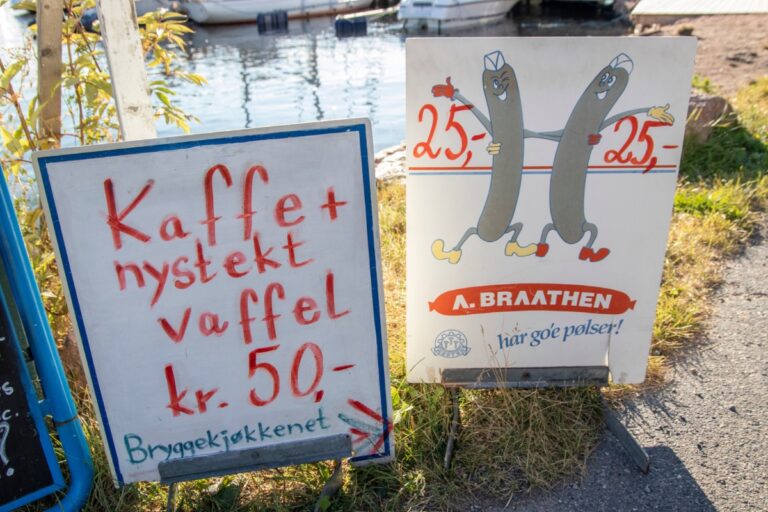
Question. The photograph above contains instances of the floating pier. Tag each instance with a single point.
(649, 12)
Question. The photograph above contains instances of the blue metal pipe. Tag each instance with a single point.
(26, 295)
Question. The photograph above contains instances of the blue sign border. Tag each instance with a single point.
(37, 416)
(185, 143)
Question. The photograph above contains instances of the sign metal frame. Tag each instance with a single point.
(58, 401)
(35, 412)
(537, 378)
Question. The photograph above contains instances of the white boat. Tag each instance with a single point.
(243, 11)
(441, 14)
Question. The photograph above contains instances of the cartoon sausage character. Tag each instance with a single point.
(576, 141)
(502, 96)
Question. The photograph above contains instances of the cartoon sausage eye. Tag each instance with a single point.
(604, 78)
(496, 83)
(611, 81)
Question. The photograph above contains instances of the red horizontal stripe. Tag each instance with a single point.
(534, 167)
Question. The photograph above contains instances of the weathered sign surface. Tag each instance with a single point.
(226, 290)
(28, 467)
(541, 178)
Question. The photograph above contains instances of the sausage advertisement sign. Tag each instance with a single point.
(540, 186)
(226, 290)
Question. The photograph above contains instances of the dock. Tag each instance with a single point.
(665, 11)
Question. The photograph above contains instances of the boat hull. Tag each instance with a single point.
(439, 14)
(245, 11)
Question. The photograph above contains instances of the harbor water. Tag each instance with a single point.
(307, 73)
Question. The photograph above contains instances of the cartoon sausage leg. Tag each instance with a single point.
(576, 141)
(502, 96)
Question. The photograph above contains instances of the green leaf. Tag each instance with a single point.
(104, 86)
(11, 143)
(25, 5)
(164, 98)
(324, 503)
(11, 71)
(91, 92)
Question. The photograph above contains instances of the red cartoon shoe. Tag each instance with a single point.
(587, 253)
(542, 249)
(600, 255)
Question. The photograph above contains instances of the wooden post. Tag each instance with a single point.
(126, 67)
(49, 22)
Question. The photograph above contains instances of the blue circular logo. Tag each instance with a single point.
(451, 344)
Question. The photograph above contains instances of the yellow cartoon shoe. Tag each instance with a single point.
(439, 253)
(513, 248)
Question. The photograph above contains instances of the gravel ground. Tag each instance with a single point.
(706, 431)
(732, 51)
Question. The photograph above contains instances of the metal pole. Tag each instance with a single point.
(454, 428)
(630, 444)
(52, 378)
(171, 505)
(332, 486)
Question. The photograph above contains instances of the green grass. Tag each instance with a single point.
(511, 440)
(702, 84)
(721, 198)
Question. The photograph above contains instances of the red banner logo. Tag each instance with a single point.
(501, 298)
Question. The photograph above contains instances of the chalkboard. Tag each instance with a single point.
(264, 322)
(28, 467)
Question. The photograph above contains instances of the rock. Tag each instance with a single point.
(742, 57)
(647, 30)
(704, 112)
(390, 163)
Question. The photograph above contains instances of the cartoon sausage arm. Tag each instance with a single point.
(452, 93)
(613, 119)
(658, 113)
(479, 115)
(553, 136)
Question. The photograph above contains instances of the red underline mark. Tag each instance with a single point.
(532, 167)
(343, 367)
(449, 168)
(479, 136)
(630, 166)
(670, 146)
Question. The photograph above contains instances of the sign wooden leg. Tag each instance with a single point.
(626, 439)
(455, 421)
(331, 487)
(171, 505)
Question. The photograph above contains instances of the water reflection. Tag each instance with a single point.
(306, 74)
(12, 27)
(309, 74)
